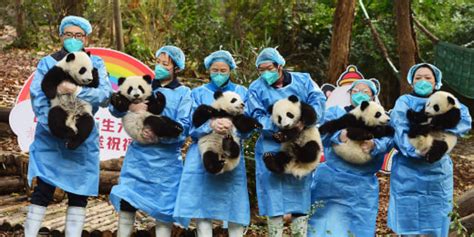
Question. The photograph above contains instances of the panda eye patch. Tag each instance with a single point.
(82, 70)
(129, 90)
(378, 114)
(279, 119)
(141, 89)
(233, 100)
(290, 115)
(436, 108)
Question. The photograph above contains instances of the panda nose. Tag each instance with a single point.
(136, 95)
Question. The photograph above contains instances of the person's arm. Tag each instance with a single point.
(332, 113)
(315, 98)
(183, 118)
(205, 128)
(464, 125)
(39, 102)
(399, 121)
(97, 96)
(255, 109)
(381, 146)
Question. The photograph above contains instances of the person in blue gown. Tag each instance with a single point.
(280, 194)
(345, 195)
(204, 196)
(74, 171)
(150, 175)
(421, 193)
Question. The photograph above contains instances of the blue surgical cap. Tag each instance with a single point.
(220, 56)
(437, 74)
(78, 21)
(270, 55)
(175, 53)
(369, 83)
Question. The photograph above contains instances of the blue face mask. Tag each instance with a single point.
(219, 79)
(423, 88)
(359, 97)
(73, 45)
(270, 77)
(161, 72)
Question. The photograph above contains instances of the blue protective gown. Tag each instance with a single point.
(348, 193)
(208, 196)
(150, 174)
(421, 193)
(279, 194)
(75, 171)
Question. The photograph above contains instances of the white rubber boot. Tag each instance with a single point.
(236, 230)
(163, 229)
(204, 228)
(299, 226)
(75, 217)
(33, 220)
(125, 223)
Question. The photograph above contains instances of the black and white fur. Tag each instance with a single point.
(366, 121)
(221, 152)
(301, 150)
(428, 127)
(138, 89)
(69, 117)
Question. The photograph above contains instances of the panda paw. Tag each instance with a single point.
(359, 134)
(383, 131)
(279, 137)
(417, 117)
(212, 163)
(245, 124)
(202, 114)
(163, 126)
(72, 144)
(275, 163)
(437, 151)
(119, 102)
(418, 130)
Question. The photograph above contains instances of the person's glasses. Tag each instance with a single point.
(77, 35)
(262, 70)
(365, 91)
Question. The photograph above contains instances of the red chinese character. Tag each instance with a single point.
(126, 142)
(113, 143)
(107, 125)
(120, 125)
(101, 142)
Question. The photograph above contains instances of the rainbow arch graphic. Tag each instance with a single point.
(118, 64)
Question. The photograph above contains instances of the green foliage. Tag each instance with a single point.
(456, 224)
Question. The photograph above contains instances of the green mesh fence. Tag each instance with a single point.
(457, 65)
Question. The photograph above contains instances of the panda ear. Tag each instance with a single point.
(147, 78)
(364, 105)
(217, 94)
(121, 80)
(88, 53)
(293, 98)
(451, 100)
(70, 57)
(270, 109)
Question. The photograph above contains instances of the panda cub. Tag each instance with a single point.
(138, 89)
(427, 131)
(300, 150)
(364, 122)
(221, 152)
(69, 117)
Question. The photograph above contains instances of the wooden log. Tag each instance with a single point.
(466, 203)
(4, 114)
(112, 165)
(107, 180)
(11, 184)
(9, 171)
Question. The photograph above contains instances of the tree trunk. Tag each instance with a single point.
(20, 18)
(407, 51)
(10, 184)
(74, 7)
(341, 39)
(118, 26)
(111, 165)
(466, 203)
